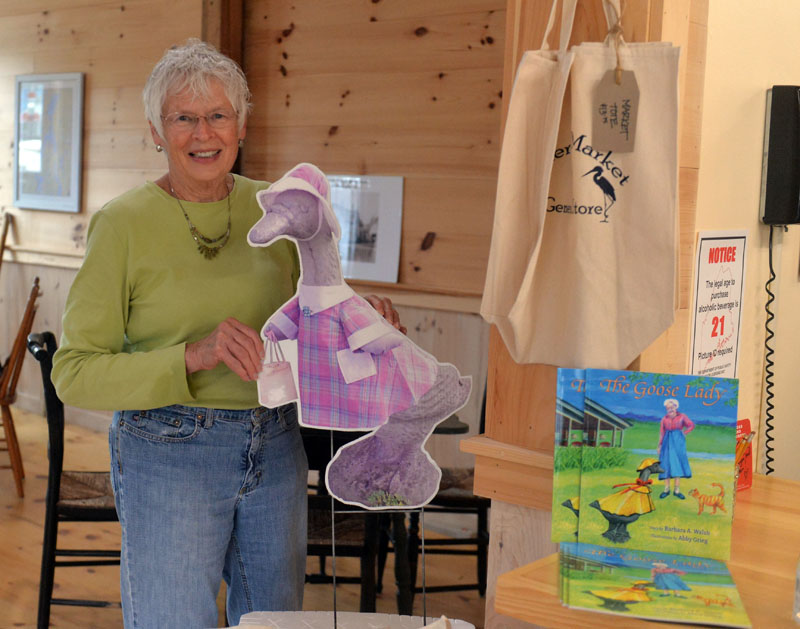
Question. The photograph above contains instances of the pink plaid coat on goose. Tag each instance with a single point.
(331, 325)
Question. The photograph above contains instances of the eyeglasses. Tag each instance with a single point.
(221, 119)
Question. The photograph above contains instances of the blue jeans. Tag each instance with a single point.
(204, 494)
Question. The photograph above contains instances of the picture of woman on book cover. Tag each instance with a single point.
(672, 448)
(668, 580)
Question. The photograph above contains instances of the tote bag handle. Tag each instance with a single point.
(611, 8)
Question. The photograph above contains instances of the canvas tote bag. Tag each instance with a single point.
(582, 267)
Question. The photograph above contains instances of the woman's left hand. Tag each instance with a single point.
(384, 307)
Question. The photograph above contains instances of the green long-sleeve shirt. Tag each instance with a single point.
(144, 292)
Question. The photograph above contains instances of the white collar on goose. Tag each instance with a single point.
(319, 298)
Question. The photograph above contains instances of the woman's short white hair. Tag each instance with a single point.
(190, 66)
(672, 401)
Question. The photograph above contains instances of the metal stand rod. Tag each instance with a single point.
(424, 593)
(333, 546)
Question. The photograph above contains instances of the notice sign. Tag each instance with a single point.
(718, 304)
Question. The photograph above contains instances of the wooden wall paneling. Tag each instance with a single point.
(687, 210)
(460, 339)
(684, 23)
(416, 97)
(105, 69)
(456, 301)
(103, 184)
(109, 146)
(369, 148)
(457, 212)
(100, 25)
(115, 107)
(668, 353)
(347, 36)
(116, 46)
(15, 284)
(11, 8)
(411, 90)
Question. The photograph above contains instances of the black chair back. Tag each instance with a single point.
(88, 495)
(43, 346)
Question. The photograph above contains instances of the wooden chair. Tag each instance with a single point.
(455, 496)
(8, 389)
(356, 535)
(72, 496)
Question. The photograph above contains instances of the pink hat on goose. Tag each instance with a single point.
(311, 179)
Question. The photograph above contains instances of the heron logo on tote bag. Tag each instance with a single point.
(582, 267)
(606, 175)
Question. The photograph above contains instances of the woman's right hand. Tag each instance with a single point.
(233, 343)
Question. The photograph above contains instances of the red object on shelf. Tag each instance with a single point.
(744, 455)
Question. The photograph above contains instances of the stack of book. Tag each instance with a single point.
(643, 490)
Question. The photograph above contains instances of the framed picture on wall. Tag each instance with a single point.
(370, 211)
(48, 131)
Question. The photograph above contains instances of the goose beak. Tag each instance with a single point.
(267, 229)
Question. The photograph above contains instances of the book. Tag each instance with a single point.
(657, 467)
(570, 385)
(655, 483)
(650, 585)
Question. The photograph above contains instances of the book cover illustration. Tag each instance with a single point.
(570, 386)
(658, 462)
(651, 585)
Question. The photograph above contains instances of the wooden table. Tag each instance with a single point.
(764, 557)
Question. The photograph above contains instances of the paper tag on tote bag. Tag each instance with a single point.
(615, 110)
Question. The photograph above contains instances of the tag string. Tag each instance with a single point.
(616, 33)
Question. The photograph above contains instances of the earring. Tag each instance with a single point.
(241, 142)
(159, 148)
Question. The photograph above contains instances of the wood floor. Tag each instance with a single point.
(21, 538)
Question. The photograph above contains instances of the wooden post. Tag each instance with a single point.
(222, 26)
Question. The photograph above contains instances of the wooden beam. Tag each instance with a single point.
(222, 26)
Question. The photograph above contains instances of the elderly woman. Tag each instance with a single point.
(672, 448)
(160, 327)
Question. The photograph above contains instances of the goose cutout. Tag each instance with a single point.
(356, 371)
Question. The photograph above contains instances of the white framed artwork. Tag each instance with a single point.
(370, 212)
(48, 133)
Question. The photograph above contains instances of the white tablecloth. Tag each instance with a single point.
(344, 620)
